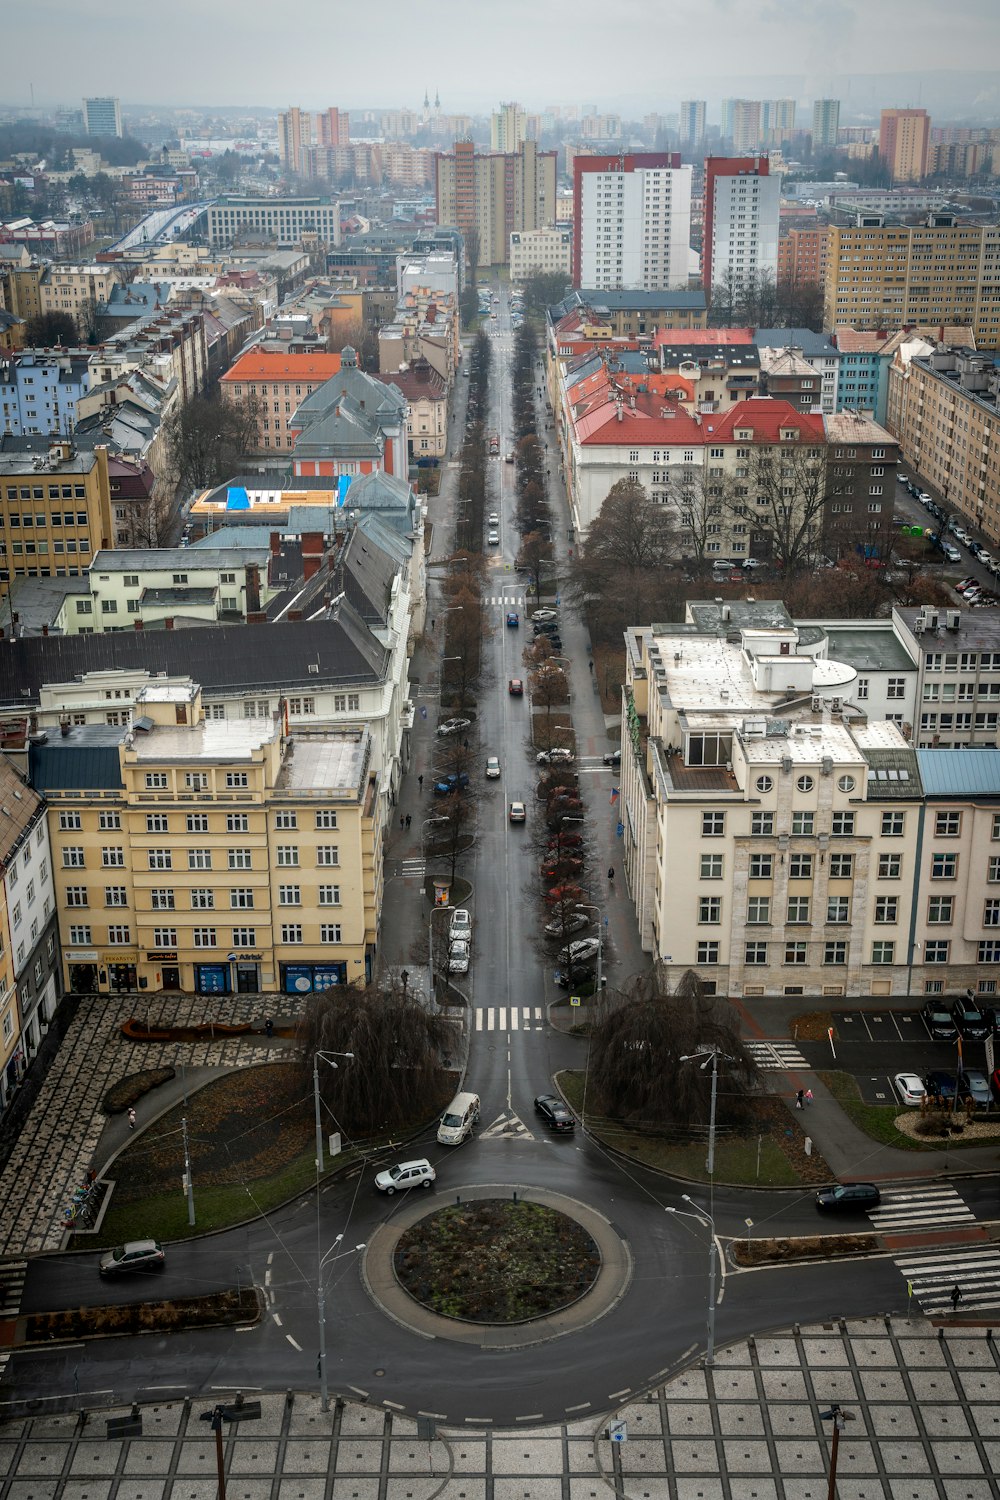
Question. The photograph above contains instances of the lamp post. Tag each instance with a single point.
(430, 946)
(711, 1055)
(840, 1420)
(703, 1216)
(327, 1056)
(321, 1261)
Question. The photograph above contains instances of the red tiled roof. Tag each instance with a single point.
(260, 364)
(710, 336)
(766, 416)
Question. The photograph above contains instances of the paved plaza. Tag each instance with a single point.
(925, 1405)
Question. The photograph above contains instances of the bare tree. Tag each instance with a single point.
(149, 523)
(701, 501)
(787, 498)
(211, 440)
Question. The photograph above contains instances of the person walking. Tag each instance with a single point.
(402, 820)
(131, 1119)
(268, 1027)
(409, 819)
(420, 781)
(799, 1099)
(611, 872)
(956, 1296)
(809, 1096)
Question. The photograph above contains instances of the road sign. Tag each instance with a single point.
(618, 1431)
(748, 1223)
(574, 999)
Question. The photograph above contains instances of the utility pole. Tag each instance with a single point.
(188, 1184)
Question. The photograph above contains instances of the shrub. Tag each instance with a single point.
(128, 1091)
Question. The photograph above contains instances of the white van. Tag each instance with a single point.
(458, 1119)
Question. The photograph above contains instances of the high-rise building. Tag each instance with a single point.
(741, 123)
(777, 121)
(103, 117)
(692, 122)
(826, 123)
(741, 219)
(493, 194)
(295, 134)
(631, 222)
(333, 127)
(903, 139)
(508, 128)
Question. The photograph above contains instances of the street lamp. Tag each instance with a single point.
(840, 1421)
(321, 1261)
(327, 1056)
(430, 945)
(703, 1216)
(711, 1055)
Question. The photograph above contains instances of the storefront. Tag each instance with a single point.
(211, 979)
(303, 979)
(82, 972)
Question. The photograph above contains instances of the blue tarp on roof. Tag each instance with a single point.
(343, 485)
(960, 773)
(237, 498)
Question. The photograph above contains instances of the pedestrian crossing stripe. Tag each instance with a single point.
(507, 601)
(411, 867)
(507, 1126)
(776, 1056)
(12, 1274)
(934, 1274)
(521, 1018)
(907, 1209)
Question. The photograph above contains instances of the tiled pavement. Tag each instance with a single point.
(60, 1138)
(926, 1426)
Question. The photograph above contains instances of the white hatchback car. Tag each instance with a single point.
(458, 957)
(406, 1174)
(492, 768)
(461, 924)
(494, 539)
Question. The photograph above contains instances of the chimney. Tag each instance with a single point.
(275, 540)
(168, 623)
(258, 617)
(64, 727)
(45, 630)
(295, 614)
(253, 588)
(137, 625)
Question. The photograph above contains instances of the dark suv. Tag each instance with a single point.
(939, 1022)
(970, 1020)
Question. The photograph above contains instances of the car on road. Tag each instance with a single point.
(951, 553)
(910, 1088)
(555, 1113)
(493, 538)
(517, 812)
(493, 519)
(752, 562)
(458, 957)
(973, 1082)
(940, 1084)
(558, 755)
(938, 1022)
(453, 726)
(509, 459)
(461, 924)
(563, 927)
(492, 768)
(903, 479)
(406, 1174)
(540, 616)
(612, 758)
(580, 951)
(976, 548)
(134, 1255)
(848, 1197)
(515, 687)
(970, 1020)
(453, 783)
(513, 619)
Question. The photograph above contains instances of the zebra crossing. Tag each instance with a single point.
(411, 867)
(773, 1057)
(507, 1127)
(910, 1210)
(932, 1276)
(12, 1274)
(506, 601)
(509, 1018)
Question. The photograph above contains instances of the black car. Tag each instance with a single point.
(612, 758)
(992, 1014)
(938, 1022)
(848, 1197)
(575, 974)
(556, 1115)
(546, 627)
(970, 1020)
(940, 1084)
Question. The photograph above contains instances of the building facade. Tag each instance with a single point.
(276, 382)
(103, 117)
(495, 194)
(540, 252)
(826, 124)
(631, 222)
(55, 510)
(741, 220)
(903, 140)
(285, 220)
(691, 123)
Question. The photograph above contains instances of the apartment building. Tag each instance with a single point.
(164, 587)
(692, 123)
(276, 381)
(40, 389)
(540, 252)
(284, 220)
(903, 140)
(590, 315)
(426, 396)
(508, 128)
(77, 291)
(802, 257)
(631, 221)
(862, 462)
(741, 123)
(55, 509)
(495, 194)
(742, 200)
(103, 117)
(212, 858)
(942, 272)
(957, 656)
(825, 124)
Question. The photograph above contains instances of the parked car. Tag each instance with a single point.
(563, 926)
(453, 783)
(940, 1084)
(969, 1019)
(517, 813)
(612, 758)
(540, 616)
(453, 726)
(938, 1022)
(974, 1083)
(580, 951)
(752, 562)
(848, 1197)
(577, 975)
(134, 1255)
(493, 519)
(492, 768)
(558, 755)
(910, 1088)
(461, 924)
(555, 1114)
(458, 957)
(560, 866)
(515, 687)
(406, 1174)
(493, 539)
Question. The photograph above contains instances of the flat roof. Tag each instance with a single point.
(868, 650)
(326, 762)
(221, 740)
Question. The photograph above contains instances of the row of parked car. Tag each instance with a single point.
(947, 1020)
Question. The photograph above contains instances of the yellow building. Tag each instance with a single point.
(495, 193)
(882, 275)
(21, 289)
(55, 509)
(77, 290)
(904, 137)
(212, 857)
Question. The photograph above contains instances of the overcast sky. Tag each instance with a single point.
(632, 55)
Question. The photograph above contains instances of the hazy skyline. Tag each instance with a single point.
(230, 53)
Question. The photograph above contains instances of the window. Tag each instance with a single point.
(289, 895)
(112, 857)
(197, 822)
(80, 934)
(889, 866)
(327, 854)
(991, 913)
(761, 866)
(883, 952)
(165, 937)
(838, 909)
(795, 953)
(944, 866)
(758, 909)
(800, 866)
(156, 780)
(329, 932)
(199, 859)
(893, 825)
(761, 823)
(157, 823)
(241, 896)
(326, 818)
(237, 779)
(798, 909)
(842, 825)
(196, 781)
(120, 936)
(937, 952)
(711, 867)
(286, 819)
(895, 687)
(329, 895)
(110, 821)
(162, 900)
(241, 859)
(841, 866)
(805, 783)
(72, 858)
(202, 899)
(764, 783)
(846, 783)
(989, 951)
(995, 834)
(708, 953)
(116, 895)
(710, 909)
(947, 824)
(237, 823)
(291, 932)
(713, 825)
(244, 937)
(803, 822)
(203, 937)
(76, 895)
(940, 908)
(755, 953)
(69, 820)
(886, 909)
(862, 687)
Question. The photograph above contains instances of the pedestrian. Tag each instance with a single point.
(590, 664)
(956, 1296)
(465, 744)
(420, 781)
(800, 1099)
(611, 872)
(402, 820)
(409, 819)
(131, 1119)
(432, 625)
(268, 1027)
(809, 1096)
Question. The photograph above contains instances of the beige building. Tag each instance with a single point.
(540, 251)
(77, 290)
(55, 509)
(904, 138)
(889, 276)
(495, 194)
(206, 857)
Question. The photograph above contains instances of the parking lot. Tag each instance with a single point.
(875, 1045)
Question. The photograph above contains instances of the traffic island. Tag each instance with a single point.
(801, 1248)
(235, 1306)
